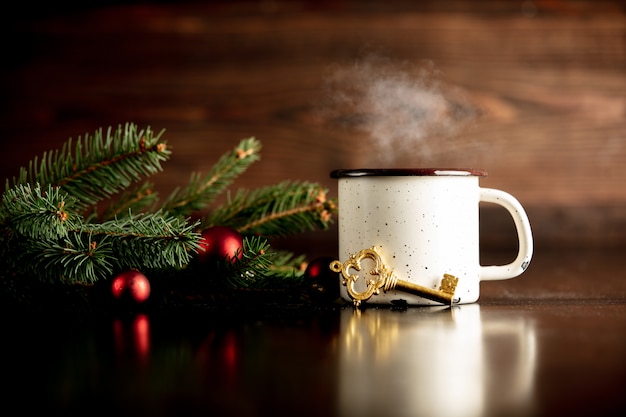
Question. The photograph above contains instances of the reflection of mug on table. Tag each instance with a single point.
(435, 361)
(425, 224)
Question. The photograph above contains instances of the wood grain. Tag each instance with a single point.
(537, 93)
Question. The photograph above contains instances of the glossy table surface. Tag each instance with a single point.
(551, 342)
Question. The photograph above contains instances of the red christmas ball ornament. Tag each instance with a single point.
(220, 242)
(131, 285)
(325, 282)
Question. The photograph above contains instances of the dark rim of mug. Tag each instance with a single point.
(403, 172)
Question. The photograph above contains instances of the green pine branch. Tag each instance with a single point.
(148, 241)
(140, 198)
(203, 189)
(251, 267)
(77, 258)
(50, 228)
(42, 233)
(35, 213)
(262, 267)
(99, 166)
(91, 253)
(277, 210)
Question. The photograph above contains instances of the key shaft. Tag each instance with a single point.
(444, 295)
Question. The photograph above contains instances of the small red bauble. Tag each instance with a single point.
(131, 285)
(220, 242)
(324, 282)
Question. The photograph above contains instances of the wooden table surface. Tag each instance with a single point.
(550, 342)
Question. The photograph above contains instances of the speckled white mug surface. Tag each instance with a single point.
(424, 223)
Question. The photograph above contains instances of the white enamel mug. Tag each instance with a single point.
(424, 224)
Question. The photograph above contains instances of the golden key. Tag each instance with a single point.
(382, 278)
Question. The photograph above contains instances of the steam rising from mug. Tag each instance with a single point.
(398, 108)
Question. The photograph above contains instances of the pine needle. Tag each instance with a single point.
(50, 229)
(203, 189)
(277, 210)
(99, 166)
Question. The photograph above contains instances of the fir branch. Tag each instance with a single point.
(42, 236)
(261, 267)
(138, 199)
(50, 229)
(277, 210)
(98, 167)
(201, 191)
(249, 269)
(38, 214)
(150, 240)
(287, 266)
(77, 259)
(147, 242)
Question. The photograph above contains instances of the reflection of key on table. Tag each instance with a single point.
(383, 278)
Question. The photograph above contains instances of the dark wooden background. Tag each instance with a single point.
(534, 92)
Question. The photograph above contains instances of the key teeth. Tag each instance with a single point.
(448, 284)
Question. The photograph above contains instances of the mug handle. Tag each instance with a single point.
(524, 235)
